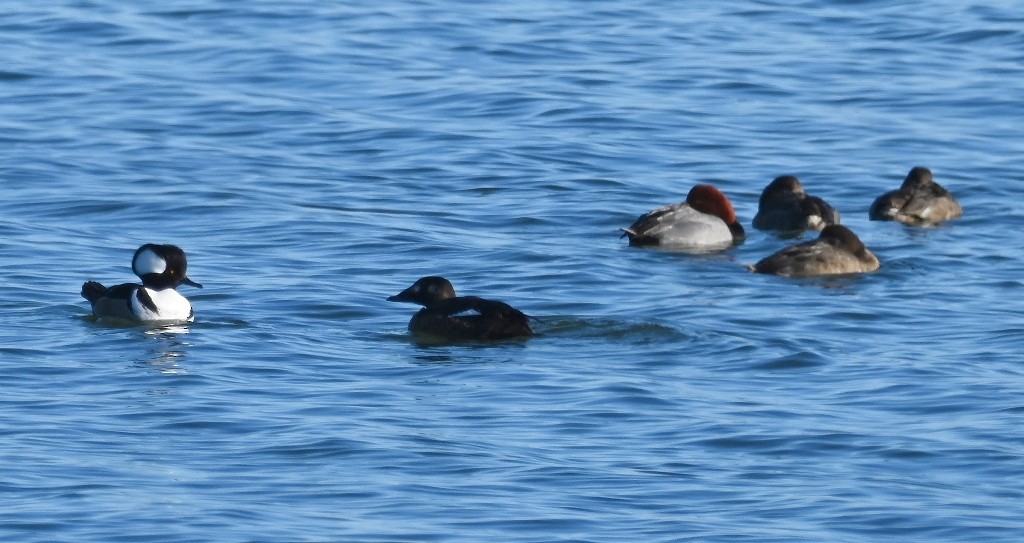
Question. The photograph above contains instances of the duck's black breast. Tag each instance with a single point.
(470, 318)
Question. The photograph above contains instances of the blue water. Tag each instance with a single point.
(315, 158)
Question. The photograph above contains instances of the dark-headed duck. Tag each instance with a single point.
(837, 251)
(450, 317)
(785, 206)
(705, 221)
(920, 201)
(162, 269)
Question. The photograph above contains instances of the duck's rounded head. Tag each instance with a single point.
(161, 266)
(919, 176)
(843, 238)
(426, 291)
(818, 213)
(784, 186)
(710, 200)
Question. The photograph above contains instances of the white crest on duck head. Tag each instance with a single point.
(148, 261)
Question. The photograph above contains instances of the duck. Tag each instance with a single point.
(836, 251)
(460, 318)
(162, 269)
(785, 206)
(705, 221)
(919, 201)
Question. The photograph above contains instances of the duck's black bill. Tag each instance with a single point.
(191, 283)
(403, 296)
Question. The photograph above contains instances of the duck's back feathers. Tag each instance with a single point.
(470, 317)
(113, 302)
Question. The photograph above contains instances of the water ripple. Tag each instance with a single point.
(315, 159)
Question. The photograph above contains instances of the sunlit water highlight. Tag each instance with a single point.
(315, 159)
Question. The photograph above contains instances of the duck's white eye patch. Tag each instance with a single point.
(148, 262)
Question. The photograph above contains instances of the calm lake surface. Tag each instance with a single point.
(315, 158)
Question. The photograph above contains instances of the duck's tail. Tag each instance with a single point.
(93, 291)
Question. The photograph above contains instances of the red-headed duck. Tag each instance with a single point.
(706, 220)
(920, 201)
